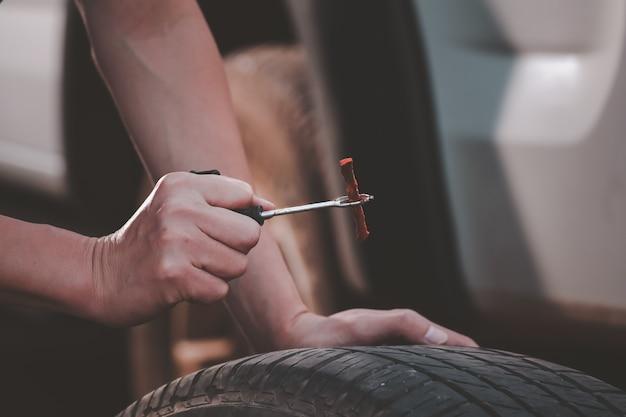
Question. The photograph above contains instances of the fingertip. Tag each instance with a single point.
(266, 204)
(461, 340)
(224, 289)
(471, 343)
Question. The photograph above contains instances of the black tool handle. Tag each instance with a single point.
(253, 212)
(209, 172)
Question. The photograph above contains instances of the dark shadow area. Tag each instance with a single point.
(54, 365)
(72, 367)
(237, 24)
(103, 168)
(375, 72)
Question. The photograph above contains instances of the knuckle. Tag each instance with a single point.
(170, 181)
(167, 236)
(247, 189)
(345, 323)
(348, 326)
(406, 316)
(170, 270)
(172, 297)
(243, 188)
(165, 211)
(174, 208)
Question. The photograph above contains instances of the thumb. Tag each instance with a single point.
(260, 201)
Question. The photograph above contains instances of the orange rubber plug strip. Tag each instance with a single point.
(352, 190)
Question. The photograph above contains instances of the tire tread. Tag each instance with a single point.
(388, 381)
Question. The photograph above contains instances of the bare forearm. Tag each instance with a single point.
(265, 301)
(44, 265)
(165, 73)
(167, 77)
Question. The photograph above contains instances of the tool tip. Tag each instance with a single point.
(365, 198)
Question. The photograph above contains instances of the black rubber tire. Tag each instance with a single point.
(384, 381)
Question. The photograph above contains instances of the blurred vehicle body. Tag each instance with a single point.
(529, 102)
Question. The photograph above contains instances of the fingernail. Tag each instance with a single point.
(435, 336)
(266, 203)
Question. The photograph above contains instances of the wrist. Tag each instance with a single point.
(105, 277)
(89, 300)
(81, 299)
(67, 266)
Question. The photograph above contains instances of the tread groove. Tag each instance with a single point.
(134, 412)
(160, 400)
(443, 412)
(580, 386)
(498, 388)
(317, 367)
(175, 393)
(357, 380)
(273, 365)
(487, 408)
(530, 381)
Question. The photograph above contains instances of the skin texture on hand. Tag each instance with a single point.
(44, 266)
(369, 327)
(182, 244)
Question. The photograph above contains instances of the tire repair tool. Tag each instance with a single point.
(353, 200)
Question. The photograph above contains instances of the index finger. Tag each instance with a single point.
(222, 191)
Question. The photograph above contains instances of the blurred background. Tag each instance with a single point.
(489, 131)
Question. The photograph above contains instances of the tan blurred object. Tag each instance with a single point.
(271, 92)
(190, 355)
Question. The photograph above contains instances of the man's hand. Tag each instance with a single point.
(182, 244)
(368, 327)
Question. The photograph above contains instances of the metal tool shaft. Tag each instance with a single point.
(339, 202)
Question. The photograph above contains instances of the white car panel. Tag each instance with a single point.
(32, 34)
(530, 99)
